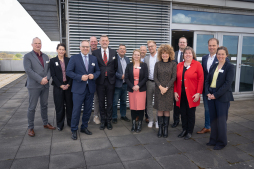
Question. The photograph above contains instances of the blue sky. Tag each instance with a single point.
(18, 29)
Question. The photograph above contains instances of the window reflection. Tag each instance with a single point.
(209, 18)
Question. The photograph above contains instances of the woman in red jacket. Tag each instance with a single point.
(187, 89)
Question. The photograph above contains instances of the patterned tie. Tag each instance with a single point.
(105, 59)
(86, 63)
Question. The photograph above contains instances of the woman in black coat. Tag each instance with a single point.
(62, 90)
(219, 92)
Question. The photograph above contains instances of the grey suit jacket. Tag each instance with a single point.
(147, 60)
(35, 71)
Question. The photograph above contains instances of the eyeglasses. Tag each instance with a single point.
(86, 47)
(151, 46)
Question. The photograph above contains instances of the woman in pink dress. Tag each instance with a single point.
(136, 75)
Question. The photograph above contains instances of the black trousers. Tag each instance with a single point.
(63, 104)
(187, 114)
(139, 113)
(176, 113)
(105, 89)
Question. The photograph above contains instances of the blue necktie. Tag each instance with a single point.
(86, 62)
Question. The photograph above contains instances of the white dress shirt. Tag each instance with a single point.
(210, 61)
(123, 64)
(107, 53)
(152, 61)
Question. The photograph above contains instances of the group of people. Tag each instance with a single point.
(173, 80)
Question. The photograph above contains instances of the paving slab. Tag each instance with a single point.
(142, 164)
(41, 162)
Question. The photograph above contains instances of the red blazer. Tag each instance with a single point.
(194, 80)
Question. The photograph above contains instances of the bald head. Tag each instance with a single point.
(93, 43)
(143, 51)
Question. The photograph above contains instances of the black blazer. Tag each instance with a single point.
(56, 72)
(111, 66)
(143, 77)
(224, 81)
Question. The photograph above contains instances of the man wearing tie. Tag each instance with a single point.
(84, 70)
(207, 62)
(182, 43)
(108, 63)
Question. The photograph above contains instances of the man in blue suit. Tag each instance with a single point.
(83, 68)
(207, 62)
(120, 85)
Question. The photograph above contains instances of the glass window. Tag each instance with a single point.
(210, 18)
(202, 45)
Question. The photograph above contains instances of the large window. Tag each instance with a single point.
(210, 18)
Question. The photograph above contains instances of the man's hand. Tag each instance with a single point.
(90, 76)
(84, 78)
(44, 81)
(122, 76)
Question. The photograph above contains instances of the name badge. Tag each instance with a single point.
(93, 64)
(188, 67)
(221, 71)
(216, 62)
(47, 61)
(114, 57)
(56, 63)
(138, 67)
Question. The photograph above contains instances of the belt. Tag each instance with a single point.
(136, 79)
(151, 80)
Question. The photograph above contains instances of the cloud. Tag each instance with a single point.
(181, 18)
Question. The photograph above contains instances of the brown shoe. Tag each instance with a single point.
(204, 130)
(137, 118)
(49, 126)
(147, 120)
(31, 132)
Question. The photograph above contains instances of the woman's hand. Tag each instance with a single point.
(196, 97)
(212, 97)
(176, 97)
(163, 89)
(135, 88)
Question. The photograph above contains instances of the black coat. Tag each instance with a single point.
(56, 72)
(143, 77)
(224, 81)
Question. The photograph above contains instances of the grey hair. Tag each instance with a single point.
(34, 39)
(84, 41)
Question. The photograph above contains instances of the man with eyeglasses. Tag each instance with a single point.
(150, 84)
(182, 43)
(83, 68)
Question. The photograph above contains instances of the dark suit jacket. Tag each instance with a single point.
(56, 72)
(75, 70)
(111, 66)
(204, 65)
(119, 73)
(176, 56)
(143, 77)
(224, 81)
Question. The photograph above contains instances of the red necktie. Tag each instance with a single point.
(105, 59)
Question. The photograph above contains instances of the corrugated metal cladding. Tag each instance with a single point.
(125, 22)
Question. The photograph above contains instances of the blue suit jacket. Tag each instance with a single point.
(224, 81)
(204, 65)
(119, 73)
(75, 70)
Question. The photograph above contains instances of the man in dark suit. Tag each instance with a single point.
(120, 86)
(36, 65)
(107, 60)
(182, 43)
(84, 70)
(207, 62)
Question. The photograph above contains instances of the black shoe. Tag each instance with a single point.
(209, 144)
(166, 123)
(74, 135)
(160, 123)
(188, 136)
(133, 125)
(86, 131)
(182, 134)
(218, 147)
(109, 126)
(125, 119)
(114, 121)
(175, 124)
(139, 127)
(59, 129)
(102, 126)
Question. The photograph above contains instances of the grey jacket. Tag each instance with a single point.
(147, 61)
(35, 71)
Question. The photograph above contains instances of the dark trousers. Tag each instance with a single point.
(176, 113)
(120, 93)
(78, 100)
(105, 89)
(187, 114)
(63, 104)
(218, 118)
(139, 113)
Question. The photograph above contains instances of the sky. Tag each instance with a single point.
(17, 29)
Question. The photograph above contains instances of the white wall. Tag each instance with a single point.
(11, 65)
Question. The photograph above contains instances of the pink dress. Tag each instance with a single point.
(137, 99)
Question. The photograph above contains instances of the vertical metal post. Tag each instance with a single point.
(170, 23)
(60, 20)
(67, 27)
